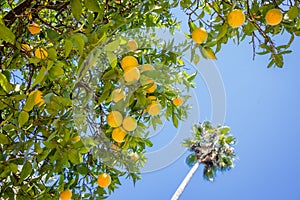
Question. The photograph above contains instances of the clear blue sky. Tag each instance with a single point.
(263, 109)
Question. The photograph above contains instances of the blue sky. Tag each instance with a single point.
(262, 109)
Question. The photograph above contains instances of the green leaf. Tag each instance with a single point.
(68, 47)
(223, 31)
(52, 53)
(191, 160)
(196, 59)
(74, 156)
(192, 26)
(76, 8)
(26, 171)
(29, 103)
(175, 120)
(52, 34)
(56, 71)
(79, 42)
(23, 118)
(13, 167)
(278, 58)
(112, 59)
(92, 5)
(112, 46)
(293, 12)
(208, 53)
(6, 34)
(3, 139)
(7, 87)
(40, 77)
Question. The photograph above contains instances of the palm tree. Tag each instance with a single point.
(212, 147)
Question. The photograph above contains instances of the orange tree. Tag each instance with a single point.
(77, 97)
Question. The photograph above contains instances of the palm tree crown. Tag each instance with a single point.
(212, 147)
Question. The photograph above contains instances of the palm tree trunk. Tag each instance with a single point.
(185, 181)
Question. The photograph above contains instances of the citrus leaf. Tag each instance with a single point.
(29, 103)
(68, 47)
(79, 42)
(7, 87)
(26, 171)
(223, 31)
(3, 139)
(293, 12)
(112, 46)
(6, 34)
(208, 53)
(23, 118)
(74, 156)
(52, 53)
(92, 5)
(112, 59)
(39, 78)
(76, 8)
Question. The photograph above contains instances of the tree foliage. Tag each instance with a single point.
(56, 83)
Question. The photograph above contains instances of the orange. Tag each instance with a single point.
(129, 124)
(118, 134)
(114, 119)
(65, 195)
(154, 108)
(178, 101)
(147, 67)
(273, 17)
(37, 95)
(132, 45)
(104, 180)
(41, 53)
(236, 18)
(118, 95)
(129, 62)
(131, 75)
(34, 28)
(199, 35)
(153, 86)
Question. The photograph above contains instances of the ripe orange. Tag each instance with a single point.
(118, 95)
(129, 124)
(37, 95)
(236, 18)
(114, 119)
(65, 195)
(41, 53)
(34, 28)
(132, 45)
(153, 86)
(129, 62)
(199, 35)
(131, 75)
(273, 17)
(154, 109)
(104, 180)
(178, 101)
(118, 134)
